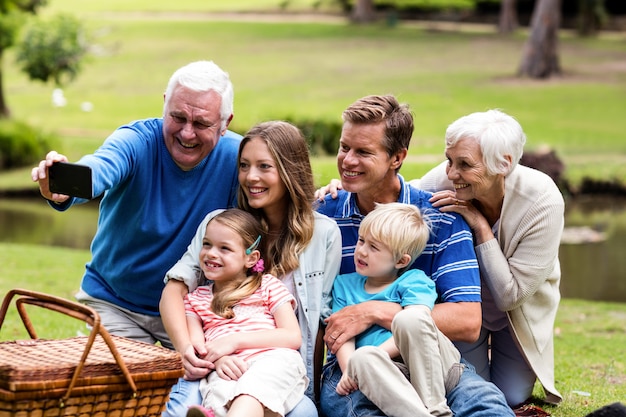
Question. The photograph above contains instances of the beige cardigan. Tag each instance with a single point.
(521, 268)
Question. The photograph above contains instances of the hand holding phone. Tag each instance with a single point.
(70, 179)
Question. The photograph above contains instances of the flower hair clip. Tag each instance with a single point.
(258, 266)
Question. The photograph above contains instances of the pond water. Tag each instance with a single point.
(596, 270)
(593, 270)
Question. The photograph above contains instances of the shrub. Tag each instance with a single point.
(53, 49)
(322, 136)
(21, 144)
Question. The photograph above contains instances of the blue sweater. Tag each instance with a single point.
(149, 211)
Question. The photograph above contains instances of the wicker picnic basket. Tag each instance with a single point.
(97, 375)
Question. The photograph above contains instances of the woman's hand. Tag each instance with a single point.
(195, 365)
(331, 188)
(446, 202)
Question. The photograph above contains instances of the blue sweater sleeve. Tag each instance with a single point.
(149, 211)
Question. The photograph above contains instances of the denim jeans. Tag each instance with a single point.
(332, 404)
(497, 358)
(472, 397)
(187, 393)
(475, 397)
(183, 395)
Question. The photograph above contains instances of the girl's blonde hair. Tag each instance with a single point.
(400, 227)
(290, 151)
(249, 228)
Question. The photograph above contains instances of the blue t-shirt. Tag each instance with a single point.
(411, 288)
(150, 210)
(449, 258)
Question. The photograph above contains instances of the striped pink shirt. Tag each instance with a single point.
(253, 313)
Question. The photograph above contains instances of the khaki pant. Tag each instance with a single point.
(429, 357)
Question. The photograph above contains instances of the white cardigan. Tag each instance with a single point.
(521, 268)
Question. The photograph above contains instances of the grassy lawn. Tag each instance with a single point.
(314, 70)
(96, 6)
(590, 341)
(212, 6)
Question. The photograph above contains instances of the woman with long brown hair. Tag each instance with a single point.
(303, 249)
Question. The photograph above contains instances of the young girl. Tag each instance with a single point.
(247, 323)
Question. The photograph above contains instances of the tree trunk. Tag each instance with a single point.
(4, 109)
(540, 57)
(508, 17)
(363, 12)
(591, 14)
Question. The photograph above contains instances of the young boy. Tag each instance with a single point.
(390, 238)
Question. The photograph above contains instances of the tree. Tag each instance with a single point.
(363, 11)
(540, 58)
(12, 16)
(592, 15)
(53, 49)
(508, 22)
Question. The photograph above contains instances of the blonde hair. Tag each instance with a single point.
(400, 227)
(290, 151)
(245, 225)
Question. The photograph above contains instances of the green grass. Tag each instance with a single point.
(95, 6)
(590, 337)
(314, 70)
(590, 347)
(46, 269)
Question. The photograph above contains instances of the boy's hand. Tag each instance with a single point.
(346, 385)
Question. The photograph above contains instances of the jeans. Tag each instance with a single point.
(187, 393)
(497, 358)
(472, 397)
(355, 404)
(475, 397)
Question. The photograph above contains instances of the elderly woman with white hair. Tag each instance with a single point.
(516, 216)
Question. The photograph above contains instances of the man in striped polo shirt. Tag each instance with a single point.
(374, 143)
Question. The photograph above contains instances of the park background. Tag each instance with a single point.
(306, 64)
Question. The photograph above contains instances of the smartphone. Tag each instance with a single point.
(70, 179)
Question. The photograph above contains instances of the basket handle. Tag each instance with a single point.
(72, 309)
